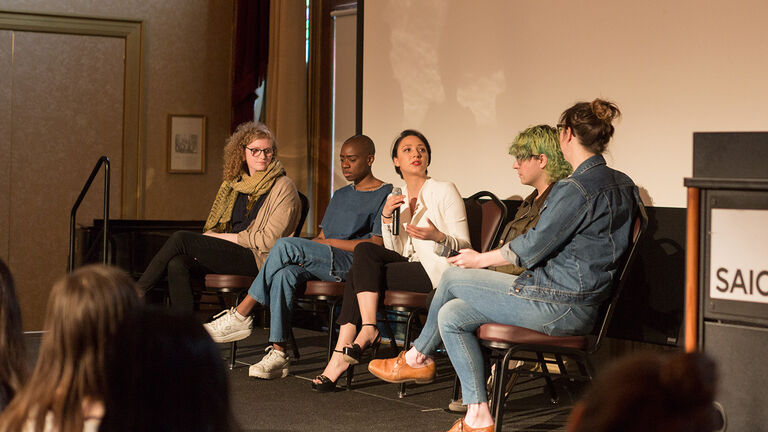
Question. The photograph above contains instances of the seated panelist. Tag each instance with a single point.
(571, 259)
(431, 212)
(352, 218)
(256, 205)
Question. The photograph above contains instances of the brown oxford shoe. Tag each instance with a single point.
(396, 370)
(460, 426)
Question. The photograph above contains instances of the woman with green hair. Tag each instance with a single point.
(539, 163)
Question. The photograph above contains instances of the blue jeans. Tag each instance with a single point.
(292, 262)
(468, 298)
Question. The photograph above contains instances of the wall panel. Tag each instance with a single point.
(67, 111)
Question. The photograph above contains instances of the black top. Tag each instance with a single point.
(241, 217)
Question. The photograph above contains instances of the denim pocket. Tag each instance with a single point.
(564, 324)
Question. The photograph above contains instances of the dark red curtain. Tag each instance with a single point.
(250, 56)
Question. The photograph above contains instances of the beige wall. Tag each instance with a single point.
(186, 57)
(185, 70)
(470, 75)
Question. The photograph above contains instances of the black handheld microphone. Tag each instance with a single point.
(444, 251)
(396, 213)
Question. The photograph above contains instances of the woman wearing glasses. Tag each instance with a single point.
(256, 205)
(571, 259)
(431, 212)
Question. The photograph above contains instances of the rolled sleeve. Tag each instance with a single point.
(509, 255)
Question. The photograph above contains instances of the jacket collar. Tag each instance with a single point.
(588, 164)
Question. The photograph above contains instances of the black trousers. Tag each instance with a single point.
(376, 269)
(187, 253)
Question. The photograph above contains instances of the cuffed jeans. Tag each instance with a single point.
(291, 263)
(468, 298)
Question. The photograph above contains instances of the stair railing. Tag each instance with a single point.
(102, 161)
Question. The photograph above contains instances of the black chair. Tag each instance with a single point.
(237, 285)
(508, 342)
(486, 215)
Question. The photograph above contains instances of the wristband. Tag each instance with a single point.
(386, 217)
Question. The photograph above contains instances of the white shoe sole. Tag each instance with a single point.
(268, 375)
(232, 337)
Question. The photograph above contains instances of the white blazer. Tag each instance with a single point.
(440, 202)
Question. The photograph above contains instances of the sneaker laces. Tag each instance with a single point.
(220, 320)
(272, 357)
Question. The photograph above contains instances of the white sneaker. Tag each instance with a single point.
(274, 365)
(226, 327)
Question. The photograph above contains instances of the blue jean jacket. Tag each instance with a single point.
(584, 230)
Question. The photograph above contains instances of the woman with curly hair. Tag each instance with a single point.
(66, 390)
(256, 205)
(13, 363)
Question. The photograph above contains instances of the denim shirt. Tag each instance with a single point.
(584, 230)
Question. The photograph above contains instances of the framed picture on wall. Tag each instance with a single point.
(186, 144)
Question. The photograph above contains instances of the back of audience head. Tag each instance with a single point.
(13, 362)
(650, 392)
(542, 139)
(591, 122)
(85, 309)
(164, 373)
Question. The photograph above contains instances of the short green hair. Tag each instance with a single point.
(542, 139)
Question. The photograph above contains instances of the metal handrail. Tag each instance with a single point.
(102, 161)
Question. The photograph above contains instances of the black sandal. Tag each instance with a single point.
(354, 354)
(328, 386)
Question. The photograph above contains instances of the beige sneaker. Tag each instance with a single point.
(227, 327)
(274, 365)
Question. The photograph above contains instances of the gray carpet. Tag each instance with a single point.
(289, 404)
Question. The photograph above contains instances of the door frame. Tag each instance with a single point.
(132, 33)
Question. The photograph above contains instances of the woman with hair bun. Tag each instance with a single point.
(571, 259)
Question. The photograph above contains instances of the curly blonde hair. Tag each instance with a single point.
(234, 154)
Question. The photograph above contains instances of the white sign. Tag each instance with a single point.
(738, 267)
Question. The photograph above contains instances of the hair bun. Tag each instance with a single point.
(604, 110)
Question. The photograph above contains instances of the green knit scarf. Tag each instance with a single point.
(254, 186)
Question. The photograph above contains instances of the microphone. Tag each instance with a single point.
(396, 213)
(444, 251)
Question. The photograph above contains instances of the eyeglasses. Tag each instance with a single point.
(525, 158)
(267, 152)
(561, 127)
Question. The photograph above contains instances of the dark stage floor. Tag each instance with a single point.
(289, 404)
